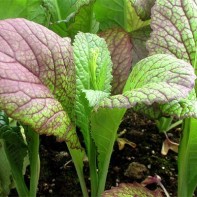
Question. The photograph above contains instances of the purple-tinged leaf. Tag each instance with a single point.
(128, 190)
(36, 75)
(150, 180)
(156, 79)
(143, 8)
(139, 39)
(125, 50)
(174, 25)
(183, 108)
(119, 45)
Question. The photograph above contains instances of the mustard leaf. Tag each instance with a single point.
(37, 78)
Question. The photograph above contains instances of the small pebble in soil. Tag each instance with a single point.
(128, 158)
(117, 182)
(149, 166)
(170, 135)
(116, 169)
(136, 170)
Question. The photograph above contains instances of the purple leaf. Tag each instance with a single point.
(119, 45)
(37, 77)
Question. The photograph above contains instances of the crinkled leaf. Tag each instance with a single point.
(93, 70)
(143, 8)
(125, 50)
(174, 25)
(173, 36)
(117, 13)
(156, 79)
(128, 190)
(30, 9)
(183, 108)
(36, 75)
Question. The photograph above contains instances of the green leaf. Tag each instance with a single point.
(117, 13)
(174, 25)
(94, 97)
(84, 21)
(13, 153)
(157, 79)
(93, 70)
(104, 126)
(126, 50)
(64, 9)
(143, 8)
(128, 190)
(6, 181)
(93, 76)
(187, 158)
(30, 9)
(37, 77)
(70, 16)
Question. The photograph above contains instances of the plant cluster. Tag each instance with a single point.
(83, 63)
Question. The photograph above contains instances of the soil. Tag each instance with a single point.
(58, 177)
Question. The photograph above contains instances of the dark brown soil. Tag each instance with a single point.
(58, 177)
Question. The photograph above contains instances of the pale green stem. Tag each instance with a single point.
(34, 161)
(77, 162)
(105, 168)
(182, 160)
(93, 168)
(20, 184)
(163, 124)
